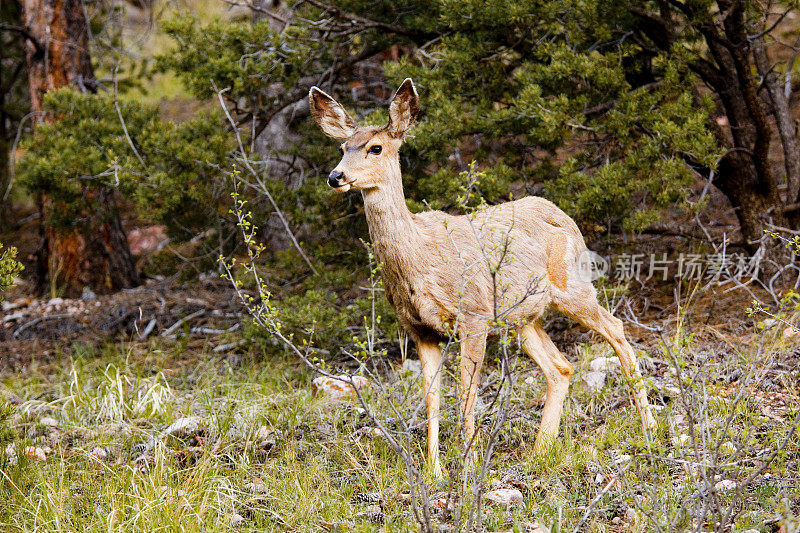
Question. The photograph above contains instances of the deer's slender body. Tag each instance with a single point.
(446, 274)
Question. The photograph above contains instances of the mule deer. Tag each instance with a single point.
(439, 276)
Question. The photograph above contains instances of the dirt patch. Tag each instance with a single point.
(38, 330)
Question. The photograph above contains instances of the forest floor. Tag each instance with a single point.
(151, 410)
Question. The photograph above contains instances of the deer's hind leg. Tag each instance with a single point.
(583, 306)
(557, 371)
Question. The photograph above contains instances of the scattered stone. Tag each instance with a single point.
(339, 525)
(237, 520)
(338, 388)
(238, 428)
(88, 295)
(15, 316)
(263, 433)
(16, 304)
(681, 440)
(622, 459)
(630, 514)
(440, 504)
(163, 490)
(769, 322)
(53, 302)
(49, 421)
(187, 427)
(11, 453)
(790, 332)
(605, 364)
(751, 531)
(593, 381)
(725, 484)
(530, 527)
(256, 486)
(99, 452)
(505, 497)
(369, 432)
(413, 366)
(36, 453)
(265, 439)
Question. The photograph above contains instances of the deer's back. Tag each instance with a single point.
(518, 254)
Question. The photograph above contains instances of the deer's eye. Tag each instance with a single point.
(375, 149)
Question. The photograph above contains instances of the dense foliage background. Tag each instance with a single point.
(619, 112)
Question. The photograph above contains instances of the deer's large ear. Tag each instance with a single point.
(330, 116)
(404, 109)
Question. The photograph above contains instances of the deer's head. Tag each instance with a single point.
(370, 154)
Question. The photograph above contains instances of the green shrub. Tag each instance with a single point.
(172, 175)
(9, 268)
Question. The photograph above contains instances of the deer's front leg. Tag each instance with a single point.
(430, 355)
(473, 348)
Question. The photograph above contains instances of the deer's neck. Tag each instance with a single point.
(395, 236)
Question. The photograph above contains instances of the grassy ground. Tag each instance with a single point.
(264, 454)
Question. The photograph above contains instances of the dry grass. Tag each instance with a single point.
(272, 457)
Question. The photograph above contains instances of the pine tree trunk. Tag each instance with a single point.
(95, 252)
(754, 107)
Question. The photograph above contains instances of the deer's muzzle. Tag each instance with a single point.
(335, 178)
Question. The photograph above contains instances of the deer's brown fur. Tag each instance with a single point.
(447, 274)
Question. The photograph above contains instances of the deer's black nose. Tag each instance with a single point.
(334, 178)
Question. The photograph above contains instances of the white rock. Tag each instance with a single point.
(15, 316)
(769, 322)
(725, 484)
(237, 520)
(55, 301)
(681, 440)
(16, 304)
(263, 433)
(605, 364)
(186, 426)
(413, 366)
(790, 332)
(370, 432)
(338, 388)
(11, 453)
(504, 496)
(534, 528)
(36, 453)
(256, 486)
(99, 452)
(88, 294)
(593, 381)
(622, 459)
(49, 421)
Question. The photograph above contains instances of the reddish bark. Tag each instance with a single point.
(94, 253)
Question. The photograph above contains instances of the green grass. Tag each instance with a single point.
(120, 397)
